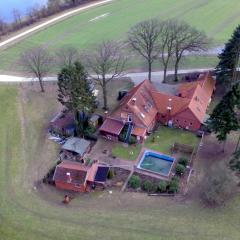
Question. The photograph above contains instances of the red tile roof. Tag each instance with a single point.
(71, 172)
(112, 126)
(144, 101)
(75, 173)
(138, 102)
(137, 131)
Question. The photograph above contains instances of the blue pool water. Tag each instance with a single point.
(156, 162)
(7, 6)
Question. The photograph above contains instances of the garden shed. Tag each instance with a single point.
(75, 148)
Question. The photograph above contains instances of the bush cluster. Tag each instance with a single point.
(180, 169)
(173, 186)
(148, 186)
(135, 182)
(183, 161)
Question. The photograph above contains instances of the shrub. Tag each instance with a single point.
(162, 186)
(175, 178)
(132, 140)
(173, 186)
(122, 137)
(135, 181)
(90, 130)
(154, 187)
(147, 186)
(183, 161)
(217, 186)
(180, 169)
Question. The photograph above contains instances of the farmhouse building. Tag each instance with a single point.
(144, 106)
(77, 177)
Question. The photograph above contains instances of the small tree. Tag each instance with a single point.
(229, 60)
(135, 182)
(187, 39)
(38, 62)
(75, 94)
(144, 38)
(106, 62)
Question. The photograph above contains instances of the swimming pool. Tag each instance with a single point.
(156, 162)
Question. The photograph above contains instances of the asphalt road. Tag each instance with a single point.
(157, 77)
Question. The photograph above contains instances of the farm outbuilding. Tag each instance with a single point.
(75, 148)
(78, 177)
(63, 124)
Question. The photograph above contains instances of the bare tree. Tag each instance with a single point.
(53, 6)
(187, 39)
(3, 27)
(66, 56)
(167, 38)
(37, 61)
(33, 13)
(17, 18)
(144, 39)
(106, 62)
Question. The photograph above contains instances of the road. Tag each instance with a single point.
(51, 21)
(157, 77)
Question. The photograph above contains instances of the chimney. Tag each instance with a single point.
(134, 101)
(69, 179)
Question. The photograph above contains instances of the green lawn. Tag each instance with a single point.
(164, 138)
(124, 152)
(28, 213)
(217, 17)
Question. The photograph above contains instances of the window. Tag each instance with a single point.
(129, 118)
(191, 123)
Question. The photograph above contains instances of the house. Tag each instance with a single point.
(137, 111)
(75, 148)
(77, 177)
(144, 106)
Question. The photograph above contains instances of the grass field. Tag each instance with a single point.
(29, 210)
(217, 17)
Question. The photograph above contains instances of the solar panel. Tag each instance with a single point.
(101, 174)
